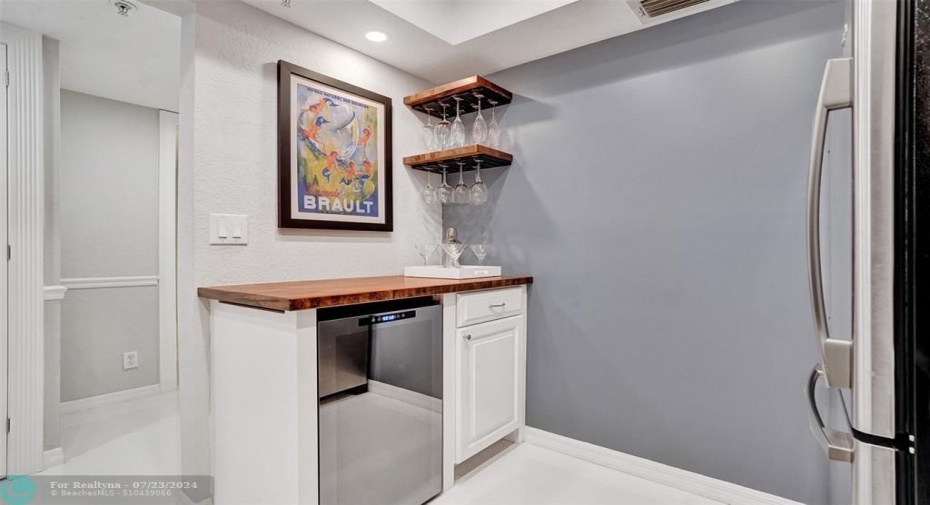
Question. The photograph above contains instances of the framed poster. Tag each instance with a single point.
(334, 162)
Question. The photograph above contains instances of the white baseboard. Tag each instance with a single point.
(85, 404)
(52, 457)
(684, 480)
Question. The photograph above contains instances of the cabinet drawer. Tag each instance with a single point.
(488, 305)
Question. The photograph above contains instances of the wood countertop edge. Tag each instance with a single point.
(236, 295)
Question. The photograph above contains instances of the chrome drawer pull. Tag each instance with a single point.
(497, 305)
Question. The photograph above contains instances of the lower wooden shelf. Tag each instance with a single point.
(449, 158)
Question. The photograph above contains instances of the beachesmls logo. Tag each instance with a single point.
(18, 490)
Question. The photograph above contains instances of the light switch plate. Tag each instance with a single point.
(229, 229)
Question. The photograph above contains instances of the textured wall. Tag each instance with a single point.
(109, 228)
(228, 163)
(659, 200)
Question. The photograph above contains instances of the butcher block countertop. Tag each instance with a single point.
(300, 295)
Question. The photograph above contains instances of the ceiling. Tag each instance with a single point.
(444, 40)
(133, 59)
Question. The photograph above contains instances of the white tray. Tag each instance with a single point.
(462, 272)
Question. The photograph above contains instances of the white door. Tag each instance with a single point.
(491, 384)
(4, 321)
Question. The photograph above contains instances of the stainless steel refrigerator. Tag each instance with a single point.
(876, 374)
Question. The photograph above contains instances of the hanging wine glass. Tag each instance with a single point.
(479, 129)
(429, 192)
(457, 132)
(428, 131)
(445, 190)
(442, 129)
(460, 193)
(494, 128)
(479, 190)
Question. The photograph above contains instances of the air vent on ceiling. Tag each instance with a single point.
(656, 8)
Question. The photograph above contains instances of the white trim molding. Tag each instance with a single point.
(26, 218)
(54, 293)
(168, 251)
(684, 480)
(52, 458)
(93, 402)
(110, 282)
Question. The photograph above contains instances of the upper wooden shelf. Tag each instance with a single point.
(464, 89)
(434, 161)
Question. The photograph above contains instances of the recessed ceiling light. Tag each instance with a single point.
(376, 36)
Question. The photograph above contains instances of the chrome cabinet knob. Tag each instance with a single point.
(467, 337)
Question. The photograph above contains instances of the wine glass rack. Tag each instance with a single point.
(434, 162)
(431, 101)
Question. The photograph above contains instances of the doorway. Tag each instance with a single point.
(110, 95)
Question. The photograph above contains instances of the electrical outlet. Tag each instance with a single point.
(130, 360)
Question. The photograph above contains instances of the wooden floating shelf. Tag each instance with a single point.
(432, 162)
(464, 89)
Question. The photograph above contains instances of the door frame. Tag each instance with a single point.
(25, 230)
(167, 251)
(4, 272)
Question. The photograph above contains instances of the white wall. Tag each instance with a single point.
(109, 228)
(228, 164)
(52, 142)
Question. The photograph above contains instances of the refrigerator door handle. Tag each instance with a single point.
(836, 444)
(835, 93)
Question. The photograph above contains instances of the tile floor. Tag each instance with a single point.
(141, 437)
(529, 474)
(138, 437)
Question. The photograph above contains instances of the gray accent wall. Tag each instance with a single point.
(108, 228)
(658, 197)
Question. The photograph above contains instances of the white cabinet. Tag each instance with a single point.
(491, 377)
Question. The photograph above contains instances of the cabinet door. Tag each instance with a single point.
(491, 377)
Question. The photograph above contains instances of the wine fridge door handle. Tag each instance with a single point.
(835, 93)
(837, 445)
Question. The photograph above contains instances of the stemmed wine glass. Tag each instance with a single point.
(429, 192)
(494, 128)
(429, 132)
(460, 193)
(443, 129)
(426, 251)
(479, 129)
(481, 252)
(445, 190)
(479, 190)
(454, 250)
(457, 132)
